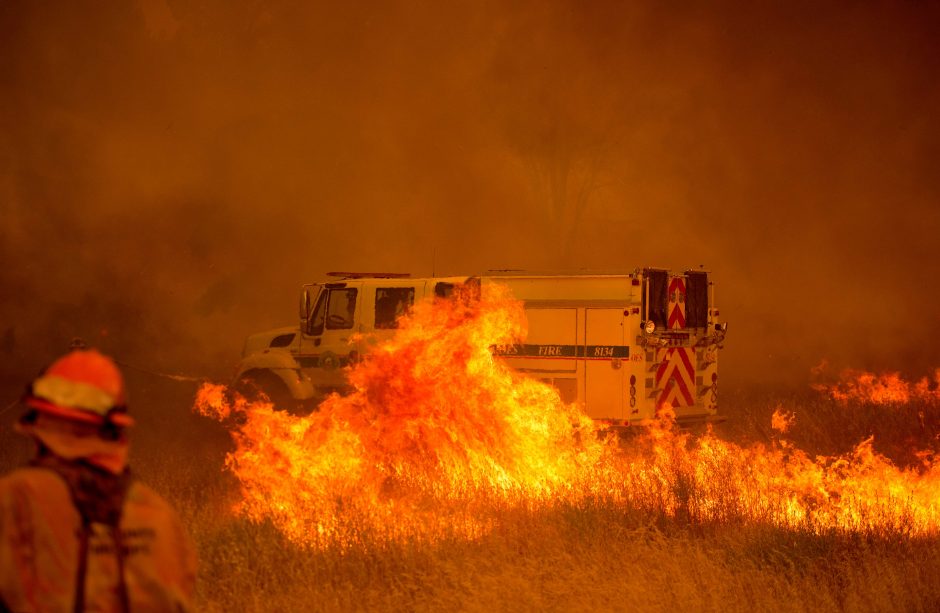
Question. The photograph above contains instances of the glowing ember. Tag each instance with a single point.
(884, 389)
(439, 438)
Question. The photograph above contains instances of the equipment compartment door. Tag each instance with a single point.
(603, 375)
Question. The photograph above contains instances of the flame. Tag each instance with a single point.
(880, 389)
(781, 420)
(439, 439)
(436, 430)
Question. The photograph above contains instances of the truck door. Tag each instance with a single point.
(603, 354)
(327, 344)
(384, 304)
(551, 349)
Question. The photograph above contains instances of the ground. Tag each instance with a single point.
(585, 556)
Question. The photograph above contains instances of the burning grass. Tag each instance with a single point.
(446, 482)
(664, 549)
(439, 437)
(885, 389)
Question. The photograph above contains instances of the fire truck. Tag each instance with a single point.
(621, 346)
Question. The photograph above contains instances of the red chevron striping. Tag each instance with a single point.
(679, 375)
(686, 359)
(663, 366)
(678, 386)
(688, 380)
(676, 318)
(680, 382)
(663, 357)
(677, 315)
(670, 364)
(664, 397)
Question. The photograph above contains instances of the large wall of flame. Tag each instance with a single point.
(171, 171)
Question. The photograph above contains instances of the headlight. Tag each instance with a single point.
(649, 327)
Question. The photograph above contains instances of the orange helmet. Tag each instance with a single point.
(82, 385)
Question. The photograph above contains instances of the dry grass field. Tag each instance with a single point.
(589, 555)
(468, 488)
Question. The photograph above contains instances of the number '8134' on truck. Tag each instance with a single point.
(622, 346)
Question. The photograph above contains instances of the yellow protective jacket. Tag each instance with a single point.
(41, 553)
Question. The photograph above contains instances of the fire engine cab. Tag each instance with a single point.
(621, 346)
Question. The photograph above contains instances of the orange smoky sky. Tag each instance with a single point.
(171, 171)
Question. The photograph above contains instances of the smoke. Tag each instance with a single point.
(170, 172)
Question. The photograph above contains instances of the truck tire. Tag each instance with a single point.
(264, 384)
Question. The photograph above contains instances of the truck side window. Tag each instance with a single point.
(315, 323)
(390, 304)
(341, 309)
(443, 289)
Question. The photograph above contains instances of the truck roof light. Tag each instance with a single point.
(369, 275)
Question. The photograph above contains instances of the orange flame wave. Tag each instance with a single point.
(439, 437)
(881, 389)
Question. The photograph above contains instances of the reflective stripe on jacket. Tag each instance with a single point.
(40, 536)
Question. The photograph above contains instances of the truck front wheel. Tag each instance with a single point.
(265, 385)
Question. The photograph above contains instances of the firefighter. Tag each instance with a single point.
(77, 531)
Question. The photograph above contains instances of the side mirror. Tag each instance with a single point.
(304, 306)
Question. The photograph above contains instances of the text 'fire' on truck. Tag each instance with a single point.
(621, 346)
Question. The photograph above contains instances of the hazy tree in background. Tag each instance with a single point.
(559, 116)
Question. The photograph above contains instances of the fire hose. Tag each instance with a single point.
(162, 375)
(173, 377)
